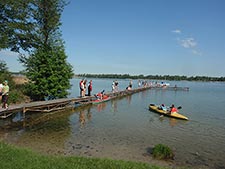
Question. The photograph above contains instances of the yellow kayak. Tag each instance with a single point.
(155, 108)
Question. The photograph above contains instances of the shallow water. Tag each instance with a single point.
(125, 129)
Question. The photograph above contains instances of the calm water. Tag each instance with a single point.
(125, 129)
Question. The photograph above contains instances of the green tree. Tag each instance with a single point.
(47, 68)
(17, 25)
(48, 73)
(33, 26)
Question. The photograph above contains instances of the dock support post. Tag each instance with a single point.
(24, 117)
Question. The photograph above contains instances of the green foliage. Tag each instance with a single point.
(16, 24)
(16, 96)
(33, 26)
(15, 91)
(12, 158)
(48, 17)
(161, 151)
(29, 24)
(49, 74)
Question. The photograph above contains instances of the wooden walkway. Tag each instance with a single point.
(59, 104)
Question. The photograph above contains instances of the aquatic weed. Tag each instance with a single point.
(161, 151)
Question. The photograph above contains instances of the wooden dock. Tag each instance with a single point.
(172, 88)
(59, 104)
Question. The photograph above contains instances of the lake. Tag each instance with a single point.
(124, 128)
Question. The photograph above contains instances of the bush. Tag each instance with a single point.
(16, 95)
(161, 151)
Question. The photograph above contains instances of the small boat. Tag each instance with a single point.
(177, 115)
(104, 99)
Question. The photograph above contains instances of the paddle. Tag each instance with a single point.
(180, 107)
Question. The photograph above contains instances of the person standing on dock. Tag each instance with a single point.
(130, 84)
(1, 86)
(5, 94)
(113, 86)
(89, 88)
(85, 87)
(81, 84)
(116, 86)
(139, 83)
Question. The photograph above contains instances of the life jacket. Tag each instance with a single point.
(99, 94)
(174, 109)
(105, 97)
(90, 87)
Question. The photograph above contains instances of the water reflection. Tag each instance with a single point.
(129, 99)
(17, 117)
(46, 133)
(100, 107)
(85, 115)
(82, 118)
(172, 121)
(114, 105)
(89, 114)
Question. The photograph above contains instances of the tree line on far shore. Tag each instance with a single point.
(154, 77)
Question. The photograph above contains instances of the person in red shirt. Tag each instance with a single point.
(173, 109)
(100, 95)
(89, 88)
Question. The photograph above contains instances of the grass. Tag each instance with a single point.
(161, 151)
(17, 158)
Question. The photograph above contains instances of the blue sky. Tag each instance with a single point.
(149, 37)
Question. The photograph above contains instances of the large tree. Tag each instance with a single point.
(17, 26)
(48, 73)
(37, 31)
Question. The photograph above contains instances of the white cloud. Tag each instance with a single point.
(194, 51)
(177, 31)
(188, 43)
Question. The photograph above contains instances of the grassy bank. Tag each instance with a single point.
(16, 158)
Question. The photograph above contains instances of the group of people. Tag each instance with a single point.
(4, 94)
(115, 86)
(171, 110)
(83, 87)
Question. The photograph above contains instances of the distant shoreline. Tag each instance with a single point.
(20, 78)
(154, 77)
